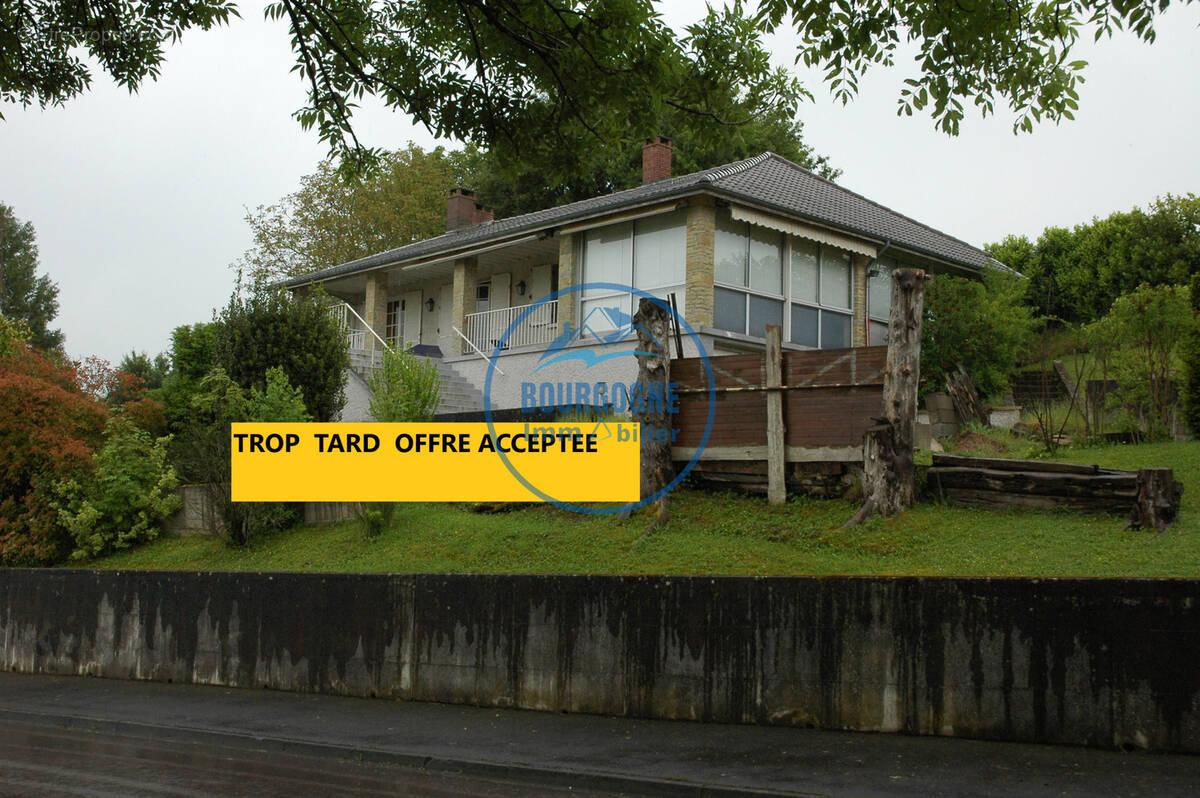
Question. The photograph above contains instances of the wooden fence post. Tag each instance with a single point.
(776, 451)
(889, 476)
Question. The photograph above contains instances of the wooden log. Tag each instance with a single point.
(776, 452)
(1157, 502)
(1038, 483)
(1002, 464)
(889, 475)
(994, 500)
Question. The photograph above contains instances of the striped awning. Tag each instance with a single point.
(812, 233)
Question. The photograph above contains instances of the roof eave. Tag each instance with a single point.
(684, 191)
(737, 196)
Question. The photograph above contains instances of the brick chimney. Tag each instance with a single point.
(656, 159)
(460, 209)
(483, 213)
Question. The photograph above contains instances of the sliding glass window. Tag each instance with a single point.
(647, 253)
(748, 272)
(822, 295)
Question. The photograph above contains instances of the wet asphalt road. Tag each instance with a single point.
(41, 763)
(73, 736)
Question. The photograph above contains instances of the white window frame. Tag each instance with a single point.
(885, 266)
(787, 297)
(626, 300)
(747, 291)
(819, 305)
(393, 321)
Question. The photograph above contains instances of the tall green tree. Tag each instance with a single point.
(152, 371)
(980, 325)
(331, 220)
(742, 106)
(497, 73)
(334, 218)
(23, 293)
(1078, 274)
(267, 329)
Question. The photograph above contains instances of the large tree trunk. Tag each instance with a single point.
(652, 323)
(889, 476)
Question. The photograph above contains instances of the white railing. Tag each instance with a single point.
(354, 326)
(484, 330)
(478, 351)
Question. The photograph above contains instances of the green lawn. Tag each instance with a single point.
(731, 534)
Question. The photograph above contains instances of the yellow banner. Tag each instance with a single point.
(449, 462)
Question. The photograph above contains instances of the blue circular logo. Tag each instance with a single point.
(608, 288)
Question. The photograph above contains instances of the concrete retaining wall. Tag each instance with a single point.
(197, 517)
(1099, 662)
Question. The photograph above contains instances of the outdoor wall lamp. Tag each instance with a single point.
(429, 304)
(521, 288)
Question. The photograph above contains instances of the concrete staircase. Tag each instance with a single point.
(363, 362)
(458, 394)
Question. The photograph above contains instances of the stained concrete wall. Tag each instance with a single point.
(1099, 662)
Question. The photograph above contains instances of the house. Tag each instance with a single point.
(740, 246)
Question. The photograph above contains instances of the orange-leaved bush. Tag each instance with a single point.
(48, 431)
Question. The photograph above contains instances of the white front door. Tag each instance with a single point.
(411, 326)
(446, 337)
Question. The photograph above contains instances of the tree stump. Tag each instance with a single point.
(1157, 503)
(889, 475)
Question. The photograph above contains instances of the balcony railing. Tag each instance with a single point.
(485, 330)
(354, 326)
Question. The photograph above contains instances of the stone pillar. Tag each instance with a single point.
(860, 300)
(466, 281)
(567, 303)
(375, 309)
(698, 285)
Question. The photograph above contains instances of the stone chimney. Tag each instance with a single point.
(460, 209)
(656, 159)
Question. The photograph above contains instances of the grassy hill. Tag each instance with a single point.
(731, 534)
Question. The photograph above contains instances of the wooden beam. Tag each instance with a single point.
(1001, 464)
(793, 454)
(778, 388)
(776, 486)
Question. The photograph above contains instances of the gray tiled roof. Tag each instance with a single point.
(767, 180)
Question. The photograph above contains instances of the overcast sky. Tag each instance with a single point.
(138, 201)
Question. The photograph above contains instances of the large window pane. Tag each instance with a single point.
(604, 315)
(766, 261)
(879, 333)
(607, 255)
(729, 311)
(835, 278)
(804, 270)
(764, 311)
(664, 293)
(879, 291)
(729, 250)
(835, 330)
(658, 251)
(804, 325)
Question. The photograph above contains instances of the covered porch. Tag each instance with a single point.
(452, 306)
